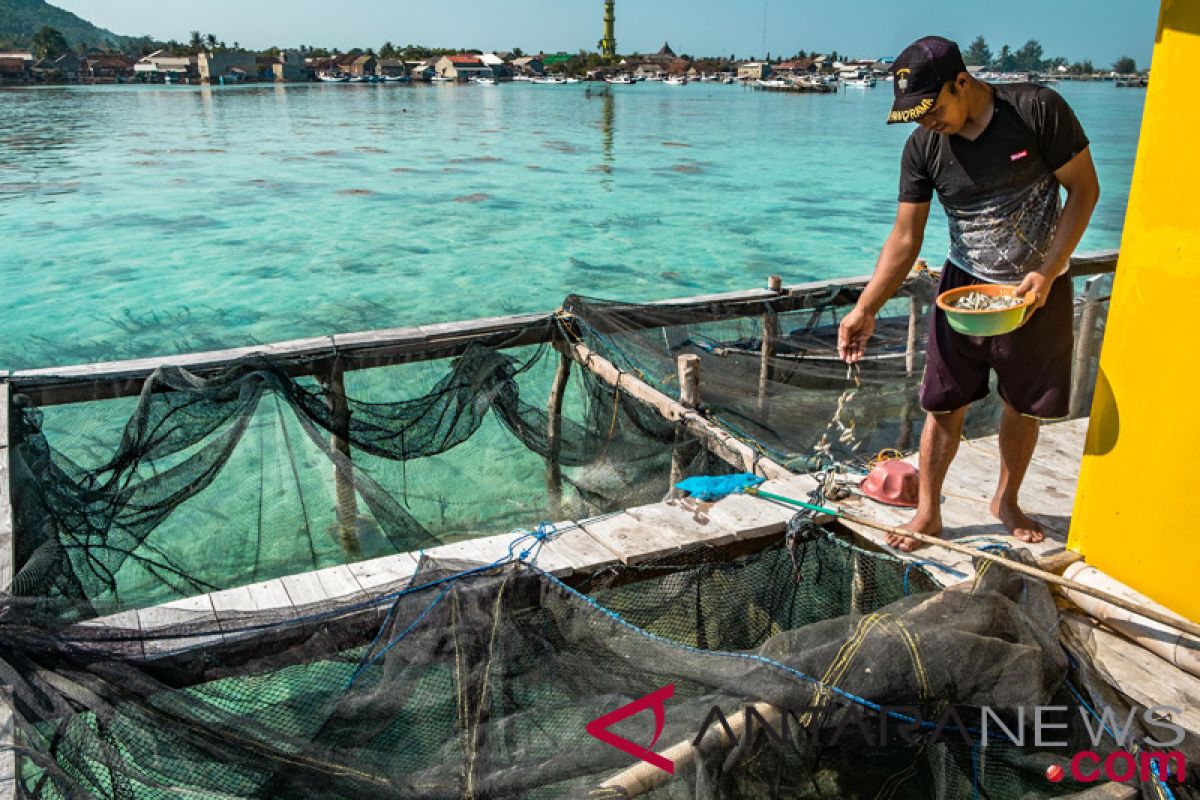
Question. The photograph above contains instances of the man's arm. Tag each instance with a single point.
(895, 262)
(1078, 177)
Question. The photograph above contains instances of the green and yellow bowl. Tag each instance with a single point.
(984, 323)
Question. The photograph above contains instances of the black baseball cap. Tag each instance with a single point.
(919, 74)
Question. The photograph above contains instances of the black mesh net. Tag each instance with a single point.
(481, 680)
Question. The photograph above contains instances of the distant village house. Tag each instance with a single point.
(462, 67)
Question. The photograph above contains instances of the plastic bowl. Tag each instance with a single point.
(984, 323)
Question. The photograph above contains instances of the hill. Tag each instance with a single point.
(21, 19)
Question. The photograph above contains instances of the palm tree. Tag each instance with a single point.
(212, 41)
(196, 42)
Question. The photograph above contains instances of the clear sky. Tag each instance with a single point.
(1100, 30)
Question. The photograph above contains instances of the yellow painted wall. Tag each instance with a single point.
(1137, 507)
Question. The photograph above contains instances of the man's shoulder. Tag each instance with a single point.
(1028, 99)
(922, 140)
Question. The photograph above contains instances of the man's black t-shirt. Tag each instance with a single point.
(999, 190)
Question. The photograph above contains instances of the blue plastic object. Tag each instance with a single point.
(714, 487)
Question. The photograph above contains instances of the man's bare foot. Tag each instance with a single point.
(1017, 522)
(930, 525)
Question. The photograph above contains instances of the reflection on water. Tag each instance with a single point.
(158, 219)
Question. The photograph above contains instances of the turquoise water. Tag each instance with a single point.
(153, 220)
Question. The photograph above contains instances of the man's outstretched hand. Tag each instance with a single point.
(853, 333)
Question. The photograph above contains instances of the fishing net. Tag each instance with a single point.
(254, 473)
(480, 680)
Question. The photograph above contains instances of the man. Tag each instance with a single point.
(997, 156)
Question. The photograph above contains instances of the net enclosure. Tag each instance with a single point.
(145, 491)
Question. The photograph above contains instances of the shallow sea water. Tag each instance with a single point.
(152, 220)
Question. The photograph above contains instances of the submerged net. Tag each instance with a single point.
(481, 680)
(224, 481)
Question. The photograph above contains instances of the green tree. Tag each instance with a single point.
(978, 54)
(1124, 66)
(388, 50)
(196, 41)
(49, 43)
(1029, 57)
(518, 52)
(211, 39)
(1005, 62)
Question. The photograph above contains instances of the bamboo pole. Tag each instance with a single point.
(1171, 621)
(343, 480)
(554, 434)
(770, 334)
(688, 369)
(723, 444)
(1164, 641)
(1086, 345)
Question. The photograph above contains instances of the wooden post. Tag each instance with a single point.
(8, 554)
(554, 434)
(721, 442)
(343, 479)
(1086, 345)
(770, 334)
(914, 335)
(8, 538)
(688, 368)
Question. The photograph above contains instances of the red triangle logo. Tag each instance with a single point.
(655, 701)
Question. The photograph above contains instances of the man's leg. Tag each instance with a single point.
(1018, 438)
(939, 443)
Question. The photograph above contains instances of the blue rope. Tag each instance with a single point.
(862, 701)
(373, 659)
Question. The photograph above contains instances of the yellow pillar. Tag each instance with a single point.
(1137, 507)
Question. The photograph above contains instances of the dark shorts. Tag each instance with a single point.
(1032, 364)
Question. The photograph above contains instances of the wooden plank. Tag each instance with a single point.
(1133, 670)
(195, 611)
(340, 584)
(124, 624)
(653, 531)
(1047, 494)
(578, 549)
(303, 590)
(692, 526)
(8, 741)
(748, 517)
(8, 553)
(490, 549)
(266, 601)
(384, 575)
